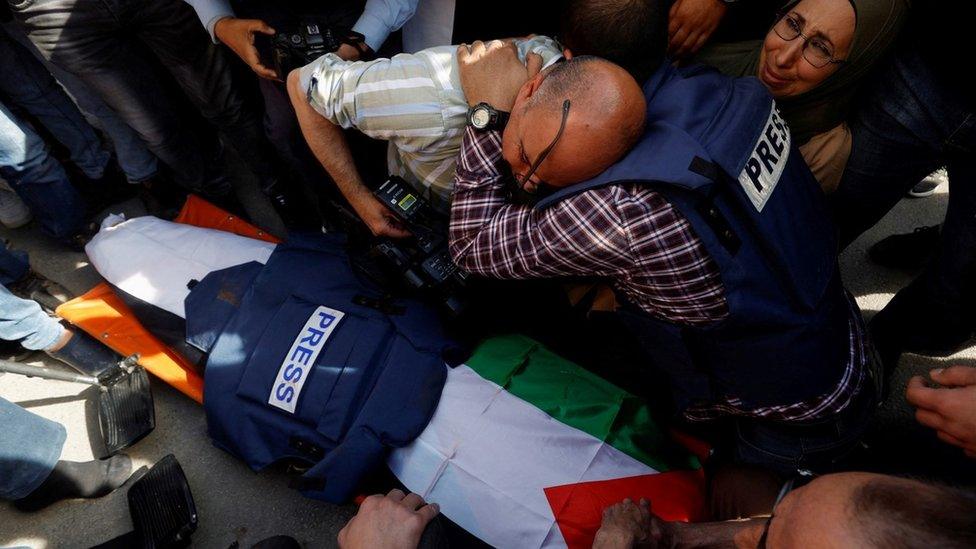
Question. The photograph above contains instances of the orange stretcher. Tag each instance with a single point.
(101, 313)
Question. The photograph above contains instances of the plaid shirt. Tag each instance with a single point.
(626, 233)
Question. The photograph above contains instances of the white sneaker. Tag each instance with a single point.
(927, 186)
(13, 212)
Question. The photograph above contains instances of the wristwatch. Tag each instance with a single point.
(484, 117)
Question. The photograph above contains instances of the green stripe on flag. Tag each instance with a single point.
(578, 398)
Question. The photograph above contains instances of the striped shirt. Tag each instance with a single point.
(626, 233)
(414, 101)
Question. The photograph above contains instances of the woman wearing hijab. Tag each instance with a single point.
(812, 60)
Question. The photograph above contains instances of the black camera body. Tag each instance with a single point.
(422, 262)
(309, 41)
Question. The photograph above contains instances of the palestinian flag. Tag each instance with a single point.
(526, 449)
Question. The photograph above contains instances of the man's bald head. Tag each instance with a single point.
(606, 118)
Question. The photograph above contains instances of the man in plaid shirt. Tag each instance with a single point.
(627, 233)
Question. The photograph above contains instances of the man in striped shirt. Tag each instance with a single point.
(415, 101)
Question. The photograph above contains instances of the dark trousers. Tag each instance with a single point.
(910, 125)
(280, 122)
(94, 40)
(820, 446)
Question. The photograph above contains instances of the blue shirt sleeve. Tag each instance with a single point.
(381, 17)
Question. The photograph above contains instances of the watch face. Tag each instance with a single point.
(480, 118)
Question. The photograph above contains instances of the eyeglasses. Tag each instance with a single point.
(801, 479)
(521, 181)
(817, 51)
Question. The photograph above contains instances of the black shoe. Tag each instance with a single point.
(27, 285)
(162, 198)
(906, 251)
(909, 324)
(108, 190)
(12, 351)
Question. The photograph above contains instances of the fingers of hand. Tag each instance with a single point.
(955, 376)
(920, 395)
(256, 25)
(687, 45)
(478, 48)
(396, 494)
(678, 39)
(949, 439)
(533, 64)
(498, 44)
(929, 419)
(429, 511)
(412, 501)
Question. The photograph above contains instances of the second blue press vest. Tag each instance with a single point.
(716, 148)
(311, 363)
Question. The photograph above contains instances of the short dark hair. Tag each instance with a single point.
(895, 514)
(631, 33)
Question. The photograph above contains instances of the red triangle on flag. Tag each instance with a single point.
(578, 508)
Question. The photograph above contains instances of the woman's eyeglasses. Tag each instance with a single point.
(817, 51)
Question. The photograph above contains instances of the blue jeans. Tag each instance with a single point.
(29, 450)
(27, 165)
(21, 319)
(13, 266)
(26, 84)
(822, 446)
(910, 125)
(133, 157)
(93, 40)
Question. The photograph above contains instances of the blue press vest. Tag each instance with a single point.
(308, 361)
(717, 150)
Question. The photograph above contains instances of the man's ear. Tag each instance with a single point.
(567, 53)
(531, 86)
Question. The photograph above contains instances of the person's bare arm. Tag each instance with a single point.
(628, 524)
(329, 146)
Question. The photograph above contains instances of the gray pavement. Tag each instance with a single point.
(237, 505)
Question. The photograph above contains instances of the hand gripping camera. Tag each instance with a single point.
(422, 262)
(309, 41)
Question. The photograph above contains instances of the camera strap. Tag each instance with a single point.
(358, 41)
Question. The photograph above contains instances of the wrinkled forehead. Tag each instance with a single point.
(833, 19)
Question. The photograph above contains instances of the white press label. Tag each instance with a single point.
(301, 358)
(767, 161)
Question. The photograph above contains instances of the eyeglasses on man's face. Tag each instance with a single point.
(521, 181)
(816, 50)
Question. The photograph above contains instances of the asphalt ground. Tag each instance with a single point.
(239, 506)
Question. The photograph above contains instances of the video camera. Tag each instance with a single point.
(422, 262)
(309, 41)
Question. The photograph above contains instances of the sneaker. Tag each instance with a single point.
(906, 251)
(927, 186)
(13, 212)
(11, 351)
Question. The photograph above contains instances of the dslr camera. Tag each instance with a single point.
(423, 262)
(311, 40)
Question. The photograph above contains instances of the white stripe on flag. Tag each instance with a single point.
(486, 457)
